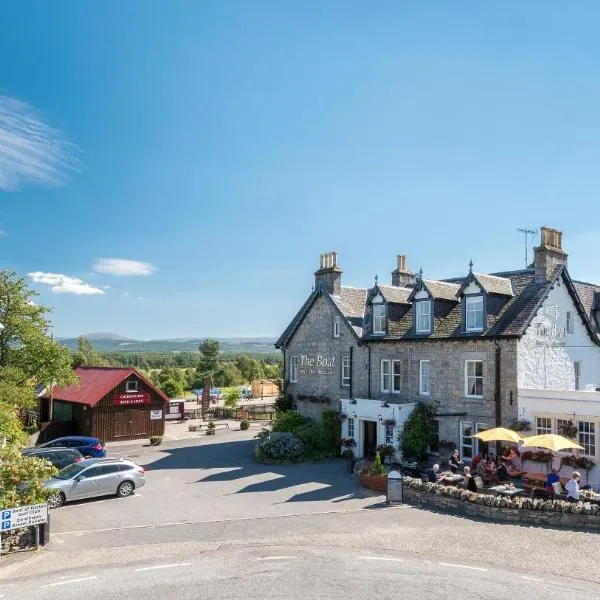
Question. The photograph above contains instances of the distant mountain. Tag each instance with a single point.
(115, 343)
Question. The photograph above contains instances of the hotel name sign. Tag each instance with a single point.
(316, 364)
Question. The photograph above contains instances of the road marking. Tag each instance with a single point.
(171, 566)
(463, 567)
(275, 558)
(68, 581)
(532, 578)
(381, 558)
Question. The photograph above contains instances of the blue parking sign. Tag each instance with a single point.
(6, 515)
(5, 525)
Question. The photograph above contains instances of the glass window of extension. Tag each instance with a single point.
(587, 437)
(577, 370)
(385, 376)
(474, 379)
(397, 376)
(389, 434)
(346, 371)
(293, 369)
(474, 313)
(350, 426)
(543, 425)
(425, 378)
(336, 326)
(423, 312)
(379, 318)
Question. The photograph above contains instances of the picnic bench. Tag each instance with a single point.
(535, 483)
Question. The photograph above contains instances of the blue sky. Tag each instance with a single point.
(225, 145)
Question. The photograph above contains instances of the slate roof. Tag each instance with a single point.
(95, 383)
(513, 300)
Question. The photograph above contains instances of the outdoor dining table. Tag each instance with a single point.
(502, 490)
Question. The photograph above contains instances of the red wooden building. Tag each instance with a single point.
(112, 404)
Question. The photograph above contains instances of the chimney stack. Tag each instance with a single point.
(401, 276)
(549, 254)
(329, 275)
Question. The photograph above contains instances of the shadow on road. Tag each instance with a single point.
(237, 458)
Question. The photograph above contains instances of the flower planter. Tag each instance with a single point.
(374, 482)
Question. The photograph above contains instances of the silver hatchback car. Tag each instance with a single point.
(95, 477)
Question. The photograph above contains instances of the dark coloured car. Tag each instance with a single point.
(59, 457)
(88, 446)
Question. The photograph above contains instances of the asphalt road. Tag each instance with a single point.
(239, 529)
(297, 572)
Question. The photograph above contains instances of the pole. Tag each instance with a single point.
(37, 537)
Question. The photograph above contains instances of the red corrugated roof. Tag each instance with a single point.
(95, 383)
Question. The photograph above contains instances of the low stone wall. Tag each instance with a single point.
(523, 510)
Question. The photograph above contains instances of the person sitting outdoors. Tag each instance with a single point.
(512, 462)
(475, 462)
(572, 487)
(432, 474)
(481, 468)
(552, 478)
(501, 471)
(455, 462)
(469, 480)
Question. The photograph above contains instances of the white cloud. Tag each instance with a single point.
(122, 267)
(106, 287)
(63, 284)
(31, 151)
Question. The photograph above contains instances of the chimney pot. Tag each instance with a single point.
(402, 277)
(329, 275)
(549, 254)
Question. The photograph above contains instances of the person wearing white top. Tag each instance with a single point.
(572, 487)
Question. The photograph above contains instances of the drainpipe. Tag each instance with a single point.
(351, 369)
(498, 391)
(284, 386)
(369, 375)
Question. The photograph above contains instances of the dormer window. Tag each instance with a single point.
(474, 313)
(379, 316)
(423, 316)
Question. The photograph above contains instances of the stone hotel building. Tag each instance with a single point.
(487, 349)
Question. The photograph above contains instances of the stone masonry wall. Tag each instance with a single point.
(314, 339)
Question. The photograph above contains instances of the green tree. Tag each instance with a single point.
(418, 432)
(227, 374)
(86, 355)
(232, 397)
(209, 359)
(250, 368)
(28, 356)
(171, 388)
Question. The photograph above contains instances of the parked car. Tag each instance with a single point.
(95, 477)
(59, 457)
(88, 446)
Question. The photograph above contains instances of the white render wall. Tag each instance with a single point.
(374, 410)
(546, 353)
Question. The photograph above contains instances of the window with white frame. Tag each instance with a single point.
(423, 312)
(560, 424)
(336, 326)
(396, 379)
(466, 440)
(587, 437)
(350, 422)
(570, 326)
(425, 378)
(294, 369)
(379, 318)
(474, 313)
(131, 385)
(389, 434)
(346, 371)
(577, 370)
(543, 425)
(474, 379)
(386, 376)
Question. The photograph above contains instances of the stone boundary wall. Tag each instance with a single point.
(502, 509)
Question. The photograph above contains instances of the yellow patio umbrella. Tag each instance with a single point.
(551, 441)
(499, 434)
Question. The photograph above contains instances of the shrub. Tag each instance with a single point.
(245, 425)
(156, 440)
(312, 436)
(279, 446)
(386, 450)
(331, 430)
(210, 425)
(418, 432)
(377, 468)
(232, 397)
(284, 403)
(288, 421)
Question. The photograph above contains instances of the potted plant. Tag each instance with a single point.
(375, 476)
(349, 456)
(340, 417)
(569, 430)
(348, 442)
(386, 451)
(523, 425)
(391, 422)
(210, 428)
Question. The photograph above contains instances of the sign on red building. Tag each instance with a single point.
(132, 398)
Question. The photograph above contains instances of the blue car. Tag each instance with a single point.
(88, 446)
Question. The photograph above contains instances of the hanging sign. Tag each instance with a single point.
(132, 398)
